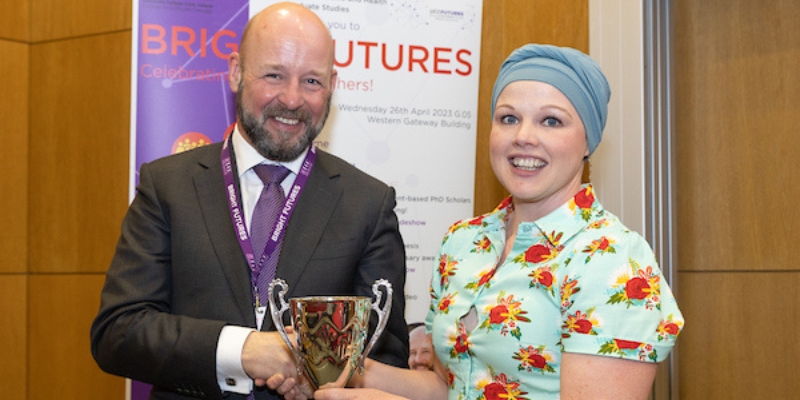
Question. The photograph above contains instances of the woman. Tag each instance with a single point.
(548, 296)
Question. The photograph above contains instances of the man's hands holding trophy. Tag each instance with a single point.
(325, 343)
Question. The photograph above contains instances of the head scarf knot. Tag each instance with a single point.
(568, 70)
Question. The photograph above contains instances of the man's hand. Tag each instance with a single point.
(265, 355)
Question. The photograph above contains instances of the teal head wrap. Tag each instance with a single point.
(568, 70)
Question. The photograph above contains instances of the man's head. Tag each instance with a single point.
(283, 79)
(420, 349)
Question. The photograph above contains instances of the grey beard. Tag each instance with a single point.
(270, 144)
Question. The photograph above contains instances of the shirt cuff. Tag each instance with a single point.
(230, 373)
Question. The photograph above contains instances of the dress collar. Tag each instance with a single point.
(561, 224)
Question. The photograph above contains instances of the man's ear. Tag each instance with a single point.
(334, 77)
(234, 71)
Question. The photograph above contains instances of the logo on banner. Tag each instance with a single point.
(188, 141)
(447, 15)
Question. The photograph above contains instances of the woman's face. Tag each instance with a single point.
(537, 146)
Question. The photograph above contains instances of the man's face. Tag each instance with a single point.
(283, 89)
(421, 350)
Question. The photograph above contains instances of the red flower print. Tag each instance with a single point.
(580, 323)
(603, 245)
(627, 344)
(503, 204)
(599, 223)
(505, 316)
(542, 277)
(537, 253)
(584, 198)
(494, 391)
(461, 346)
(445, 302)
(583, 326)
(460, 343)
(485, 278)
(546, 278)
(636, 288)
(498, 314)
(482, 245)
(447, 268)
(451, 378)
(672, 328)
(531, 358)
(476, 221)
(538, 361)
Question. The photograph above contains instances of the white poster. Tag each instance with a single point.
(405, 110)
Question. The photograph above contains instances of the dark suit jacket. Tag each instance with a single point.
(178, 275)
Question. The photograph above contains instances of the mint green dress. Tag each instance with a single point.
(576, 281)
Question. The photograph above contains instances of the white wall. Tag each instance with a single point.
(616, 32)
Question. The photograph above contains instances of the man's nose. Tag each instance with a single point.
(291, 96)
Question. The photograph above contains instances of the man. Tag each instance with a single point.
(421, 354)
(184, 294)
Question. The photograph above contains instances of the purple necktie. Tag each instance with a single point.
(266, 212)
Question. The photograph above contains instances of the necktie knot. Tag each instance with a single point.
(271, 173)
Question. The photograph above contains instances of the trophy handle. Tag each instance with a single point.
(277, 314)
(382, 317)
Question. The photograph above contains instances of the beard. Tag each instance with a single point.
(279, 145)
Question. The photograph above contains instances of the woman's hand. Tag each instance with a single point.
(290, 388)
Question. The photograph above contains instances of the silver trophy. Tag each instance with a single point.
(330, 332)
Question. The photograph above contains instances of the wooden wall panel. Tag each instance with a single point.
(13, 337)
(61, 309)
(738, 102)
(14, 156)
(59, 19)
(508, 24)
(79, 170)
(740, 340)
(15, 20)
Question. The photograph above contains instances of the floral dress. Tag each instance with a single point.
(575, 281)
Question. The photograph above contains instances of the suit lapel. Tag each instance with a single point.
(216, 215)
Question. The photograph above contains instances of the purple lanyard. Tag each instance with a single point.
(237, 216)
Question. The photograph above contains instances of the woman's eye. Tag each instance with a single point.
(551, 122)
(508, 119)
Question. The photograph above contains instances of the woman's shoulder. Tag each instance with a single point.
(607, 244)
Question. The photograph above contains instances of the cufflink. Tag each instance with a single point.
(230, 381)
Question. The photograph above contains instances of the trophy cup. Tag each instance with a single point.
(330, 332)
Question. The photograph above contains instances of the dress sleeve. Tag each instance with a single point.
(616, 301)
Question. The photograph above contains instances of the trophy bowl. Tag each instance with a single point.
(330, 331)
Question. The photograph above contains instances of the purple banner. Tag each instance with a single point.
(180, 82)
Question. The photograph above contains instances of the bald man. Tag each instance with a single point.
(181, 307)
(422, 356)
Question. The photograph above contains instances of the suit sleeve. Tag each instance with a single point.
(135, 334)
(384, 258)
